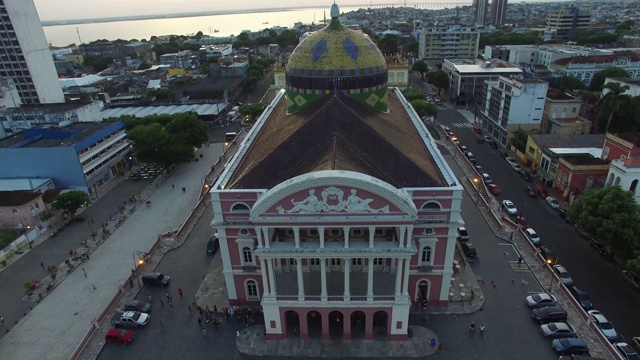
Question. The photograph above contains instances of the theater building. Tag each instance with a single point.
(337, 212)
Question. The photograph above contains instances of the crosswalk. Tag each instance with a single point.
(462, 125)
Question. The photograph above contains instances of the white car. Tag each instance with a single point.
(601, 322)
(533, 236)
(515, 166)
(510, 160)
(551, 201)
(509, 208)
(486, 178)
(539, 300)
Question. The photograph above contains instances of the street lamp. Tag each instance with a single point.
(476, 182)
(551, 262)
(137, 263)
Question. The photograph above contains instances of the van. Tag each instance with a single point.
(212, 245)
(231, 116)
(155, 279)
(230, 136)
(470, 251)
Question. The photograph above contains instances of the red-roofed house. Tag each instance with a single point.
(584, 67)
(577, 175)
(621, 146)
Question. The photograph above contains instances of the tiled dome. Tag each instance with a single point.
(336, 58)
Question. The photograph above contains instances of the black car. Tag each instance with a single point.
(137, 305)
(526, 175)
(564, 215)
(581, 297)
(598, 247)
(568, 346)
(155, 279)
(585, 235)
(549, 314)
(493, 144)
(548, 255)
(212, 245)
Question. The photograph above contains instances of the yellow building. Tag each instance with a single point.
(76, 59)
(176, 71)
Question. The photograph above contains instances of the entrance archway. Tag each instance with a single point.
(358, 324)
(314, 324)
(336, 325)
(422, 293)
(380, 319)
(292, 322)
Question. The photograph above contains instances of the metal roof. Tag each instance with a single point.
(142, 111)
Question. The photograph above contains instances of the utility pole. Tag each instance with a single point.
(79, 39)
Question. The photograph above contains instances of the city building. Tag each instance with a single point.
(546, 55)
(451, 42)
(626, 174)
(9, 96)
(480, 8)
(621, 146)
(20, 209)
(180, 59)
(82, 156)
(26, 57)
(101, 49)
(584, 67)
(567, 20)
(511, 104)
(14, 120)
(561, 114)
(579, 174)
(468, 76)
(314, 223)
(633, 84)
(398, 72)
(498, 12)
(219, 50)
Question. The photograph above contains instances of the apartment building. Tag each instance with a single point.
(498, 12)
(468, 76)
(448, 42)
(566, 21)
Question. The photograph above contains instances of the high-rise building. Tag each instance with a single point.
(440, 42)
(498, 12)
(566, 21)
(25, 55)
(480, 11)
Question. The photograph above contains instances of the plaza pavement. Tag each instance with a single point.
(53, 329)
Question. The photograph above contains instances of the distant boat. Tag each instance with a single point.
(266, 22)
(216, 30)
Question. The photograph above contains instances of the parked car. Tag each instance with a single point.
(553, 203)
(568, 346)
(632, 279)
(463, 234)
(539, 300)
(548, 255)
(509, 208)
(155, 279)
(522, 221)
(626, 351)
(526, 176)
(137, 305)
(487, 139)
(455, 140)
(494, 189)
(585, 235)
(212, 245)
(636, 342)
(563, 274)
(542, 192)
(557, 330)
(470, 157)
(463, 148)
(119, 336)
(601, 322)
(581, 297)
(509, 159)
(549, 314)
(516, 167)
(493, 144)
(598, 247)
(486, 178)
(478, 168)
(470, 251)
(477, 130)
(564, 215)
(532, 235)
(530, 191)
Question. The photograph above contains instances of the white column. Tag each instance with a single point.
(266, 237)
(401, 235)
(323, 278)
(300, 281)
(321, 233)
(409, 236)
(405, 290)
(372, 233)
(259, 236)
(370, 279)
(272, 279)
(398, 277)
(345, 230)
(347, 270)
(263, 270)
(296, 234)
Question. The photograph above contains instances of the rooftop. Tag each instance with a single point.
(337, 133)
(585, 160)
(137, 111)
(597, 59)
(54, 136)
(560, 141)
(46, 108)
(17, 198)
(27, 184)
(81, 81)
(492, 66)
(632, 137)
(557, 94)
(632, 162)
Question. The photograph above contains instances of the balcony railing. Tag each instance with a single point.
(335, 298)
(249, 269)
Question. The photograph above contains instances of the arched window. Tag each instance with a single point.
(425, 256)
(239, 208)
(634, 185)
(432, 206)
(247, 256)
(400, 77)
(617, 182)
(251, 288)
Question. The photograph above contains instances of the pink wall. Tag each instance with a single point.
(241, 291)
(24, 216)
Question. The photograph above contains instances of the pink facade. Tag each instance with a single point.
(20, 209)
(621, 146)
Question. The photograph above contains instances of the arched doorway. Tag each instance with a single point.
(336, 325)
(358, 323)
(292, 323)
(314, 324)
(380, 319)
(422, 293)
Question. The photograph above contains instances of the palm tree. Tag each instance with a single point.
(613, 95)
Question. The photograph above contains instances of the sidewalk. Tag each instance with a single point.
(63, 317)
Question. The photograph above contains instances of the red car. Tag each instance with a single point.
(522, 221)
(477, 130)
(493, 188)
(542, 192)
(119, 336)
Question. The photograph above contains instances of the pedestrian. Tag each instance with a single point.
(149, 298)
(94, 287)
(472, 328)
(204, 332)
(161, 302)
(173, 186)
(215, 309)
(180, 292)
(1, 321)
(42, 266)
(433, 343)
(519, 260)
(166, 293)
(190, 310)
(85, 273)
(171, 305)
(130, 282)
(184, 189)
(237, 333)
(482, 330)
(161, 326)
(200, 321)
(170, 298)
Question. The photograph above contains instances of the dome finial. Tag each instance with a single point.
(335, 11)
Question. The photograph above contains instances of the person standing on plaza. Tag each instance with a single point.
(166, 293)
(204, 332)
(180, 292)
(482, 330)
(42, 266)
(161, 302)
(433, 343)
(472, 328)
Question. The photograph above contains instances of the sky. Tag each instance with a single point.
(91, 9)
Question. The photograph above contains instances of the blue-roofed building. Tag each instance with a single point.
(82, 156)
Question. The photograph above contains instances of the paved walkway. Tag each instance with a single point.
(64, 317)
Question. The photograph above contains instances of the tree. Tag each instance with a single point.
(439, 79)
(199, 35)
(287, 38)
(413, 48)
(388, 44)
(98, 63)
(158, 93)
(70, 202)
(614, 95)
(612, 216)
(568, 83)
(421, 107)
(503, 38)
(254, 110)
(421, 67)
(413, 94)
(598, 79)
(144, 66)
(519, 139)
(432, 111)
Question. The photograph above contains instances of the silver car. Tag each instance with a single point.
(557, 330)
(539, 300)
(601, 322)
(555, 205)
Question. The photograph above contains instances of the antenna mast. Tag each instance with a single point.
(79, 39)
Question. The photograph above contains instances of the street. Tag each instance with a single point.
(598, 276)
